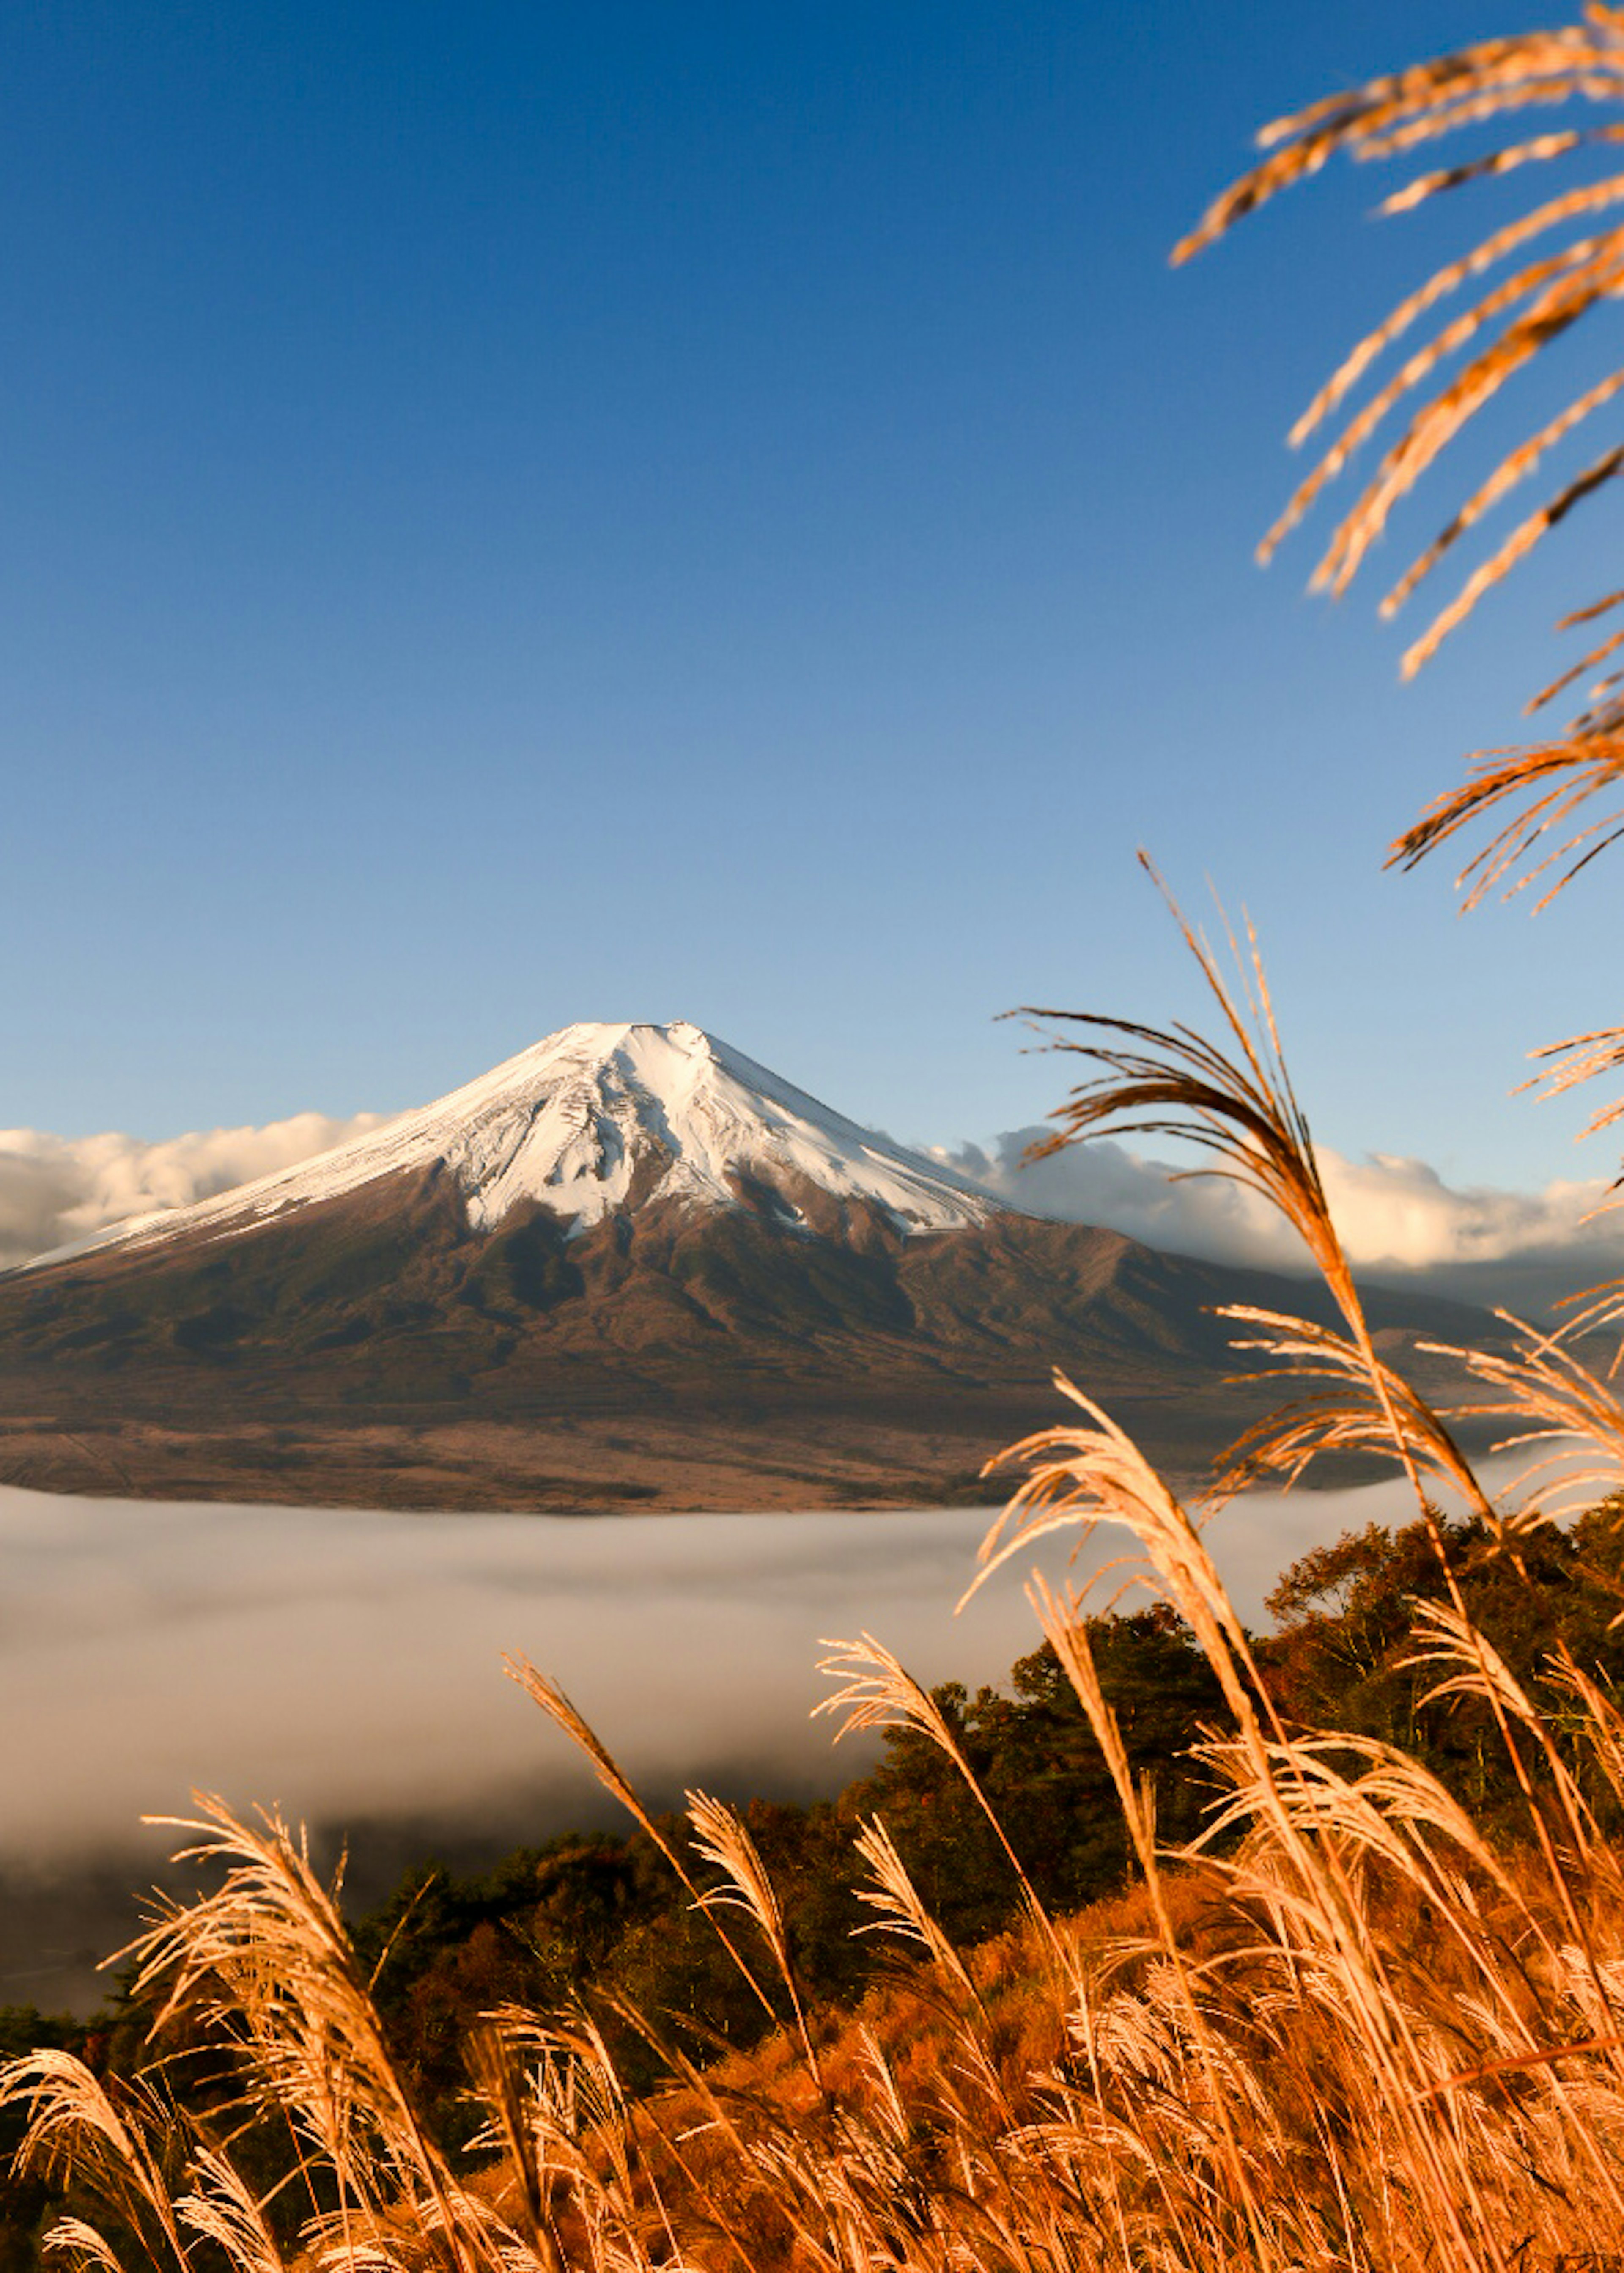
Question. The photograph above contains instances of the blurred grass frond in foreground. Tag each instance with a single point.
(1464, 333)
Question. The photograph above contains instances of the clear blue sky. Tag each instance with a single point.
(514, 514)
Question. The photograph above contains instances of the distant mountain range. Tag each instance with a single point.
(629, 1266)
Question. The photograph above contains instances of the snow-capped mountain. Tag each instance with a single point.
(629, 1267)
(597, 1119)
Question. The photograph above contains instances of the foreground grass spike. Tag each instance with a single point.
(1566, 253)
(1343, 1416)
(878, 1691)
(557, 1706)
(891, 1894)
(1525, 312)
(1233, 1100)
(1560, 1411)
(722, 1840)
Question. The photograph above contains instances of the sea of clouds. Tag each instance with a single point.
(1399, 1220)
(347, 1668)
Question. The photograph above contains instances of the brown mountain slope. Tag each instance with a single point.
(374, 1350)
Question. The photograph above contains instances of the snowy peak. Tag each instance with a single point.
(598, 1119)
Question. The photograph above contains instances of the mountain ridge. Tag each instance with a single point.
(594, 1118)
(627, 1267)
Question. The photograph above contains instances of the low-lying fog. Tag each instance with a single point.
(347, 1668)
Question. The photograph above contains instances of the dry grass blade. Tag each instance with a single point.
(554, 1702)
(557, 1706)
(1559, 1406)
(1539, 789)
(1521, 541)
(1537, 151)
(1069, 1638)
(1604, 711)
(900, 1911)
(722, 1840)
(1598, 1311)
(1581, 1058)
(1515, 2061)
(1597, 654)
(878, 1691)
(1285, 1442)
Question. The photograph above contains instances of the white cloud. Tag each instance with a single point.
(57, 1189)
(1398, 1218)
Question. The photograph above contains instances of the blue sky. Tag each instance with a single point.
(515, 515)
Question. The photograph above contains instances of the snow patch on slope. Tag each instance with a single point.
(574, 1120)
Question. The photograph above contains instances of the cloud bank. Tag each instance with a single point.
(1398, 1218)
(347, 1666)
(56, 1191)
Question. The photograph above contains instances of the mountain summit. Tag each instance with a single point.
(629, 1267)
(600, 1120)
